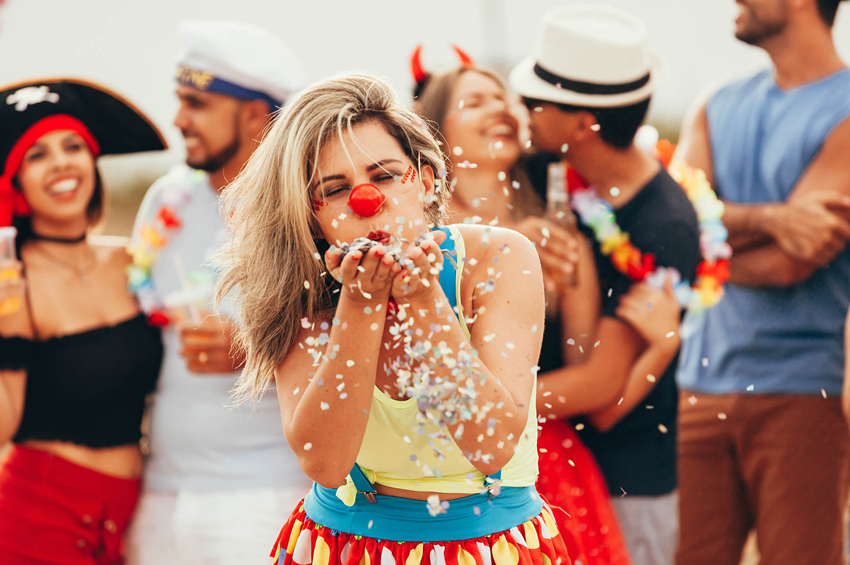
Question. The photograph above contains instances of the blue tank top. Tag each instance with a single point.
(778, 340)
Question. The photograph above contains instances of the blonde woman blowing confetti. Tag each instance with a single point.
(404, 358)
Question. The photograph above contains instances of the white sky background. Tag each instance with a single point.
(130, 45)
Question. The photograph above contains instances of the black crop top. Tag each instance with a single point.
(87, 388)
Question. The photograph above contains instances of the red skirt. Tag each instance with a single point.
(570, 479)
(55, 512)
(534, 542)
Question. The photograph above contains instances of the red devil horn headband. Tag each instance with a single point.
(421, 76)
(465, 60)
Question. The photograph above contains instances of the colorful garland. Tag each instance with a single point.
(707, 290)
(153, 236)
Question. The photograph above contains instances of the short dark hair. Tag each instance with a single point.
(827, 10)
(618, 126)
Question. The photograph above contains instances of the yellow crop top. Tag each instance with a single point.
(399, 452)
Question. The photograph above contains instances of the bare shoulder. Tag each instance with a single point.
(494, 253)
(111, 249)
(482, 241)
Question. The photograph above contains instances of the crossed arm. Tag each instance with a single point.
(783, 243)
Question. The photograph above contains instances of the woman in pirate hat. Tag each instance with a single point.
(76, 357)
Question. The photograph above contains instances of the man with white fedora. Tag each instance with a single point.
(588, 87)
(218, 479)
(764, 445)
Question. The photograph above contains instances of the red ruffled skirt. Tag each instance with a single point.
(535, 542)
(570, 479)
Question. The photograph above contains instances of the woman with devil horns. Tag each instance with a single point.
(77, 358)
(470, 109)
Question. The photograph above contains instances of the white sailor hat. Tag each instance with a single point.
(239, 60)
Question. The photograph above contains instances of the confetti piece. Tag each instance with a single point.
(502, 176)
(721, 416)
(671, 334)
(615, 191)
(305, 323)
(750, 388)
(564, 148)
(458, 151)
(370, 524)
(374, 326)
(651, 378)
(692, 400)
(307, 284)
(308, 446)
(579, 427)
(296, 391)
(823, 392)
(349, 363)
(705, 361)
(324, 406)
(595, 127)
(662, 428)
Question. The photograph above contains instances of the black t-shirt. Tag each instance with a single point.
(637, 456)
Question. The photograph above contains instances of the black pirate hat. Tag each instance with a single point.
(109, 124)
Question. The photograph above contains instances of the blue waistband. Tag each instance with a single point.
(400, 519)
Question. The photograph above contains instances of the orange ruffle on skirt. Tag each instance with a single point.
(535, 542)
(570, 479)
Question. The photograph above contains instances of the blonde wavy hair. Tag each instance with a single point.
(272, 267)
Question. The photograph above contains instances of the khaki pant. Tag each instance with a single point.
(778, 464)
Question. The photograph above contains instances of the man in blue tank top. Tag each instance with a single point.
(218, 479)
(763, 442)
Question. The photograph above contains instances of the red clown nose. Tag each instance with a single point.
(366, 200)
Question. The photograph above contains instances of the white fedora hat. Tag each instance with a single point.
(594, 56)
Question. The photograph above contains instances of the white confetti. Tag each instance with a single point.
(721, 416)
(308, 446)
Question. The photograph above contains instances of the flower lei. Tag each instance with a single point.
(707, 290)
(153, 236)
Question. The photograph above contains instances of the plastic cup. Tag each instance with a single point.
(189, 305)
(8, 269)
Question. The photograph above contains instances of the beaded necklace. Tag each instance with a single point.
(597, 214)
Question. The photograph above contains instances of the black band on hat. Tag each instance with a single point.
(581, 87)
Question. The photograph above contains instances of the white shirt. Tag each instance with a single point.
(197, 440)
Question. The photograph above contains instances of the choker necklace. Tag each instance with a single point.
(67, 241)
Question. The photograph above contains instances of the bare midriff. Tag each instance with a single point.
(415, 495)
(123, 462)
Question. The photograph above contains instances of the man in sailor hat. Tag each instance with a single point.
(588, 88)
(217, 479)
